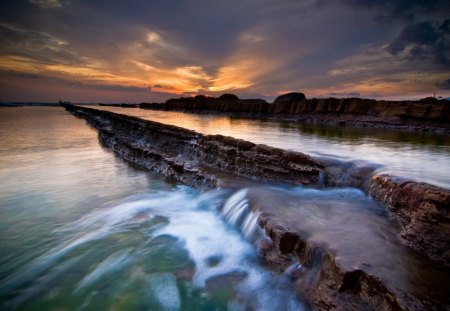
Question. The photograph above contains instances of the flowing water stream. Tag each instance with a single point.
(83, 230)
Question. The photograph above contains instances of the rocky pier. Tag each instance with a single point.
(419, 211)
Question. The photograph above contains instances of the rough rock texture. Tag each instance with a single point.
(372, 271)
(369, 272)
(422, 210)
(321, 280)
(347, 174)
(425, 115)
(188, 156)
(201, 161)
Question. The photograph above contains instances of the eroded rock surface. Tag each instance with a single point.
(422, 210)
(343, 254)
(190, 157)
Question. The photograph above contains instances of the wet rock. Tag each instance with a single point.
(423, 212)
(157, 147)
(285, 240)
(213, 261)
(320, 279)
(334, 273)
(268, 251)
(224, 281)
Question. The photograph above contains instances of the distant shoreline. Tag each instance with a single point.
(426, 115)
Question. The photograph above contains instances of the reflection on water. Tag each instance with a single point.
(81, 230)
(421, 156)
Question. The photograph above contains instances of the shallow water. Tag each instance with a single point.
(420, 156)
(82, 230)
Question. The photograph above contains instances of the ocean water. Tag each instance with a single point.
(82, 230)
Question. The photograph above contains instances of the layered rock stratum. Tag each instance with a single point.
(428, 115)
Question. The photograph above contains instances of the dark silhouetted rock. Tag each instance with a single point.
(228, 97)
(290, 97)
(200, 97)
(426, 115)
(429, 99)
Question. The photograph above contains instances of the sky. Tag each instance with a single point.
(152, 50)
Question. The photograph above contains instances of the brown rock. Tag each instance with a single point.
(422, 210)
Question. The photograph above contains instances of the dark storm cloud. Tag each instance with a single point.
(445, 85)
(250, 47)
(79, 84)
(425, 40)
(392, 9)
(12, 82)
(35, 45)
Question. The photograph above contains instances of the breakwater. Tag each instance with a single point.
(201, 161)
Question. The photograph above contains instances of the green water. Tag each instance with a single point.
(82, 230)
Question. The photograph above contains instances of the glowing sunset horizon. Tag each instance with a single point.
(111, 51)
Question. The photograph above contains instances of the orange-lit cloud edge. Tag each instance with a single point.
(243, 71)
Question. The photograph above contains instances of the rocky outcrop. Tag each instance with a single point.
(425, 115)
(335, 270)
(290, 97)
(227, 103)
(189, 156)
(229, 97)
(422, 210)
(206, 161)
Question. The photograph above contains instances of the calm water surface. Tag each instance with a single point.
(82, 230)
(421, 156)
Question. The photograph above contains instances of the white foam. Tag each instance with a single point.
(250, 224)
(196, 221)
(164, 289)
(113, 263)
(236, 206)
